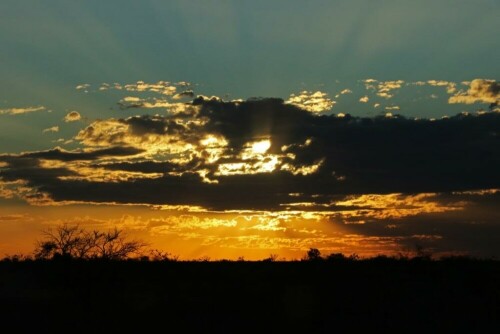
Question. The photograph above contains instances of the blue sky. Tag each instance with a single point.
(244, 48)
(241, 49)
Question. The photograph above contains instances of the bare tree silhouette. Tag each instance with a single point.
(67, 241)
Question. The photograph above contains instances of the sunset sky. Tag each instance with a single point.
(247, 128)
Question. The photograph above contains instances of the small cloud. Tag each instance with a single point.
(82, 86)
(346, 91)
(385, 88)
(393, 108)
(161, 87)
(184, 94)
(19, 111)
(316, 102)
(131, 102)
(451, 87)
(51, 129)
(132, 99)
(72, 116)
(105, 86)
(370, 84)
(364, 99)
(376, 105)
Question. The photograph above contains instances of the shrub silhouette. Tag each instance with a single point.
(313, 254)
(159, 255)
(271, 258)
(74, 242)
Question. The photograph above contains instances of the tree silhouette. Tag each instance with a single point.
(313, 254)
(67, 241)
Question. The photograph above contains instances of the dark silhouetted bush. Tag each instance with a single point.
(73, 242)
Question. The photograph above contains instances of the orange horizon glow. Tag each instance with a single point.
(252, 235)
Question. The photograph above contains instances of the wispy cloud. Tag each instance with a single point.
(19, 111)
(451, 87)
(51, 129)
(82, 86)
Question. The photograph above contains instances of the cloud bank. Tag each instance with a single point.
(480, 91)
(238, 155)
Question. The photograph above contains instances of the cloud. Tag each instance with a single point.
(184, 94)
(383, 88)
(19, 111)
(451, 87)
(51, 129)
(249, 155)
(131, 102)
(154, 134)
(392, 108)
(82, 86)
(161, 87)
(105, 86)
(480, 91)
(72, 116)
(390, 206)
(161, 94)
(364, 99)
(468, 224)
(63, 155)
(315, 102)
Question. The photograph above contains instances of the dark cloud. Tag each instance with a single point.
(376, 155)
(352, 156)
(152, 166)
(474, 229)
(184, 94)
(29, 170)
(241, 122)
(62, 155)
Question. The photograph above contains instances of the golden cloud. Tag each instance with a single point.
(19, 111)
(315, 102)
(480, 91)
(72, 116)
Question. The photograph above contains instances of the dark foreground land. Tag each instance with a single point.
(459, 296)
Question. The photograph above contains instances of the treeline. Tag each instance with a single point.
(67, 242)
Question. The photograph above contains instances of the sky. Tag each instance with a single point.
(227, 129)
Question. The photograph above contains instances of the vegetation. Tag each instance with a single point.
(76, 243)
(70, 242)
(117, 285)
